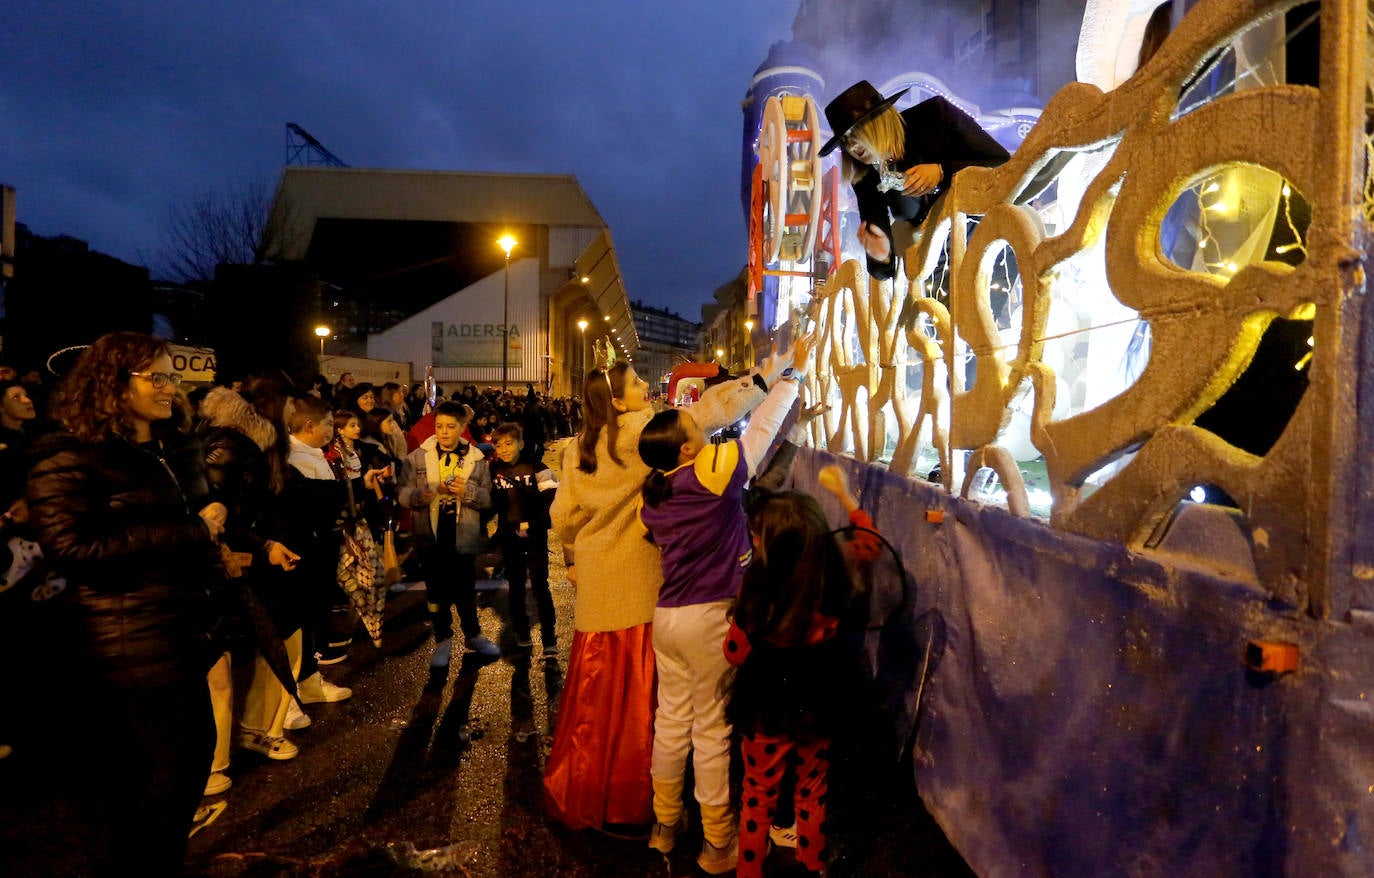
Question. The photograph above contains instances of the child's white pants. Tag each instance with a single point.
(688, 648)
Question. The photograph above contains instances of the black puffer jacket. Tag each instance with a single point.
(235, 439)
(124, 531)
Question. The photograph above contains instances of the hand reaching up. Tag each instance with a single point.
(772, 368)
(833, 479)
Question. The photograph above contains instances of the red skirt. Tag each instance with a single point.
(598, 770)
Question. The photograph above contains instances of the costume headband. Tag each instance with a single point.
(604, 350)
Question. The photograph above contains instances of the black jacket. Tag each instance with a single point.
(120, 522)
(516, 498)
(937, 132)
(239, 477)
(14, 465)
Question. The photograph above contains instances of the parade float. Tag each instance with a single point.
(1088, 671)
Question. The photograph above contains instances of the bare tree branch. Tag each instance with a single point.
(217, 226)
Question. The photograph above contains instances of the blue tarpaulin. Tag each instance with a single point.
(1090, 711)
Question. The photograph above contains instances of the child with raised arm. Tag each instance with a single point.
(694, 512)
(796, 677)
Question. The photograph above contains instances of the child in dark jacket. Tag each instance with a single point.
(522, 491)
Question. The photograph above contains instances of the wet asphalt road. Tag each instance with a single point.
(439, 773)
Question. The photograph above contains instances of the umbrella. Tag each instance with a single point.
(265, 635)
(361, 577)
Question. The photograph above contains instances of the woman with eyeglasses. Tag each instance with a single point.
(117, 500)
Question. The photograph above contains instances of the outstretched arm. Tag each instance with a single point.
(768, 418)
(866, 544)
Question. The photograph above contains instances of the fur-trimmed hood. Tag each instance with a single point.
(223, 407)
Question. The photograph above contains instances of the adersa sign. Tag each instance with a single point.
(195, 364)
(474, 344)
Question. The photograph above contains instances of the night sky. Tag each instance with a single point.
(112, 112)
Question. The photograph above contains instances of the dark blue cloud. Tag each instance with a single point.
(114, 111)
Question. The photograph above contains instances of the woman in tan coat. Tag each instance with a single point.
(598, 771)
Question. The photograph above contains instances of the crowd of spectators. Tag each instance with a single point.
(265, 522)
(542, 417)
(263, 489)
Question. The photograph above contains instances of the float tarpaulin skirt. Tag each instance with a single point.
(598, 770)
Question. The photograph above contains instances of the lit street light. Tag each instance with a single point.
(720, 354)
(582, 325)
(507, 243)
(323, 332)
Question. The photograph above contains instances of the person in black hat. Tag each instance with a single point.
(899, 163)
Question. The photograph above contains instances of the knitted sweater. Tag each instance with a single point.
(618, 571)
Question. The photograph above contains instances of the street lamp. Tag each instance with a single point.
(749, 341)
(507, 243)
(720, 354)
(582, 325)
(323, 332)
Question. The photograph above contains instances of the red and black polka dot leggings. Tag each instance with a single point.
(765, 762)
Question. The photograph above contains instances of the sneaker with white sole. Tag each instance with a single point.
(663, 837)
(219, 782)
(443, 651)
(783, 837)
(296, 719)
(551, 651)
(205, 815)
(279, 749)
(315, 689)
(718, 861)
(482, 645)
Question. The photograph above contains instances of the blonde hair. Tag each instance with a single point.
(884, 136)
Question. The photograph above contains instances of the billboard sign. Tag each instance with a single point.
(196, 365)
(474, 344)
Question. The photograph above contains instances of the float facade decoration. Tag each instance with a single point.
(1103, 704)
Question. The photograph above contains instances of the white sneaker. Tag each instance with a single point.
(718, 861)
(783, 836)
(443, 651)
(296, 719)
(315, 689)
(205, 815)
(663, 837)
(217, 783)
(273, 748)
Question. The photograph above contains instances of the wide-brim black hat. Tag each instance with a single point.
(854, 106)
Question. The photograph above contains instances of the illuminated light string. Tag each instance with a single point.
(1211, 185)
(1369, 179)
(1298, 243)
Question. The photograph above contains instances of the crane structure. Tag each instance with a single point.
(303, 149)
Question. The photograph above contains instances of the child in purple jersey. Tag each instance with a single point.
(693, 510)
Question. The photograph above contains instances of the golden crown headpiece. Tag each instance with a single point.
(605, 353)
